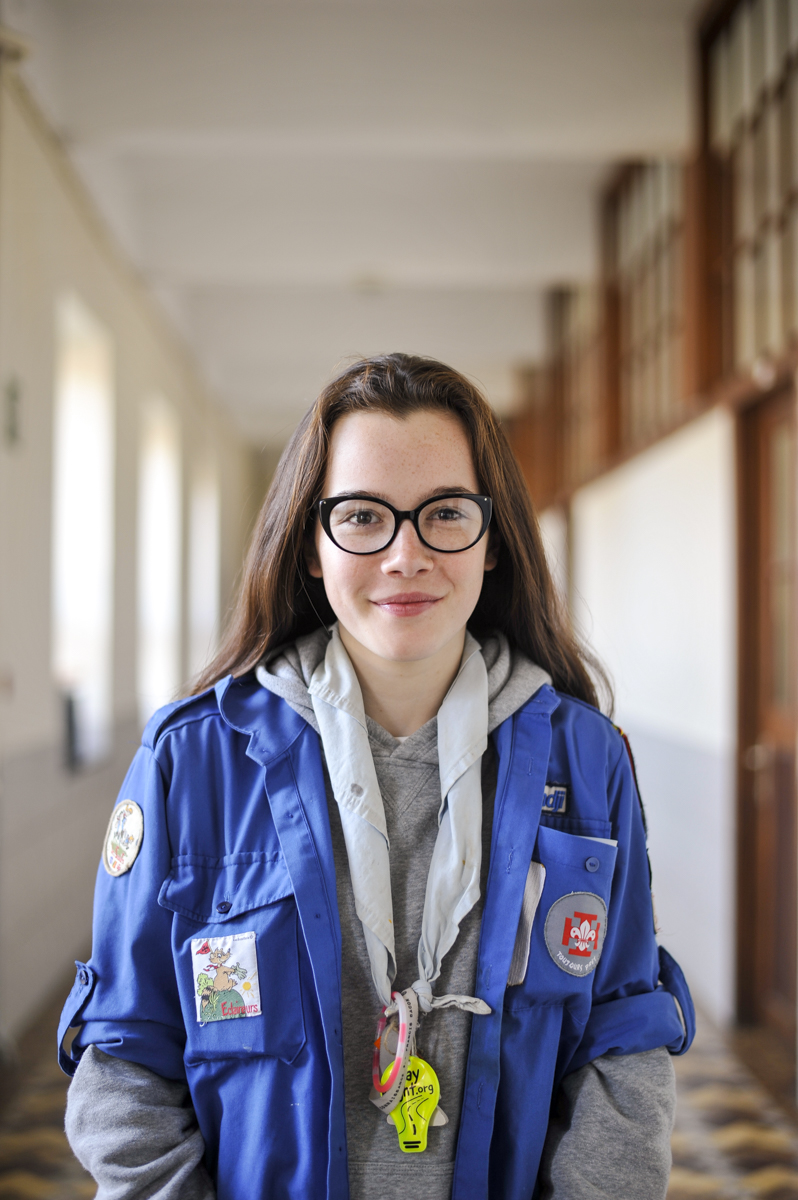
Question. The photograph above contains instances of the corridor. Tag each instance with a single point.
(208, 208)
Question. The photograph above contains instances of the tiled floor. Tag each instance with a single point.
(731, 1141)
(35, 1160)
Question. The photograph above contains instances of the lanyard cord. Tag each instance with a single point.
(387, 1095)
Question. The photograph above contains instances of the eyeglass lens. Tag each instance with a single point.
(363, 526)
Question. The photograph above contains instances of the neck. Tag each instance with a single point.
(403, 696)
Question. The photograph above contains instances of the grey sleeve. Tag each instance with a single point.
(609, 1134)
(135, 1132)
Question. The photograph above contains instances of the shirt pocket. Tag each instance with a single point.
(235, 942)
(570, 921)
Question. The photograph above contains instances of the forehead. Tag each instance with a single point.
(399, 458)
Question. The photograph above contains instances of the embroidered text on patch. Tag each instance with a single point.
(555, 798)
(225, 977)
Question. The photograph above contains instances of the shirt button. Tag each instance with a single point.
(224, 907)
(83, 976)
(592, 864)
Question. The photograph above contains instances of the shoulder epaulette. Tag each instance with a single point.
(191, 708)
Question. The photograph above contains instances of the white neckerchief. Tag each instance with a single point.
(453, 880)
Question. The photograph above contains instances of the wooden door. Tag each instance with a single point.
(767, 913)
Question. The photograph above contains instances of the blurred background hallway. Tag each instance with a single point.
(589, 206)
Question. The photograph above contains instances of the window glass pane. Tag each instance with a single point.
(784, 148)
(746, 59)
(83, 527)
(775, 39)
(736, 69)
(761, 297)
(203, 567)
(792, 180)
(720, 107)
(782, 567)
(650, 282)
(757, 48)
(792, 268)
(159, 565)
(781, 32)
(760, 300)
(761, 172)
(744, 222)
(774, 296)
(773, 126)
(744, 333)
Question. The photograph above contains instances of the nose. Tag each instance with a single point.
(407, 554)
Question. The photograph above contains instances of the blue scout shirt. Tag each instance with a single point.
(237, 841)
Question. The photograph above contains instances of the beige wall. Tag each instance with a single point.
(51, 821)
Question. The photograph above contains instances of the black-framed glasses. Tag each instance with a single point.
(361, 524)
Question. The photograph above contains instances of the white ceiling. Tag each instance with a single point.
(302, 182)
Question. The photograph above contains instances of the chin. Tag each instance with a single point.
(405, 644)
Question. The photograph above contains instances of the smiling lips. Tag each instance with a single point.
(407, 604)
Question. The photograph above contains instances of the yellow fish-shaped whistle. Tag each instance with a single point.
(414, 1113)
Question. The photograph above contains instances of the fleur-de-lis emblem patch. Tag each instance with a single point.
(574, 932)
(583, 936)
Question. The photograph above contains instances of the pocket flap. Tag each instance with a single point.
(214, 890)
(586, 851)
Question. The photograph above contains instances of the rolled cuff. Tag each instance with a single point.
(70, 1014)
(147, 1043)
(632, 1024)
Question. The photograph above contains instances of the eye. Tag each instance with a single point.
(355, 514)
(445, 513)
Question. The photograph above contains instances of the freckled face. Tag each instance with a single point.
(406, 603)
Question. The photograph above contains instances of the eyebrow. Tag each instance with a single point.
(457, 490)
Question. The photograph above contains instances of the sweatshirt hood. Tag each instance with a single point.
(512, 677)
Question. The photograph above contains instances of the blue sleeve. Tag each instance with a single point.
(640, 998)
(125, 999)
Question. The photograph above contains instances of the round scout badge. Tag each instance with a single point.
(575, 928)
(123, 838)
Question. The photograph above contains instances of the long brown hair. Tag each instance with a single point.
(278, 599)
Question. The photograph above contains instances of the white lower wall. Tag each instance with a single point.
(554, 531)
(654, 590)
(52, 825)
(688, 793)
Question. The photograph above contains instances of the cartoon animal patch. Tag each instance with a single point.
(225, 977)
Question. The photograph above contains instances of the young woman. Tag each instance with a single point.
(391, 804)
